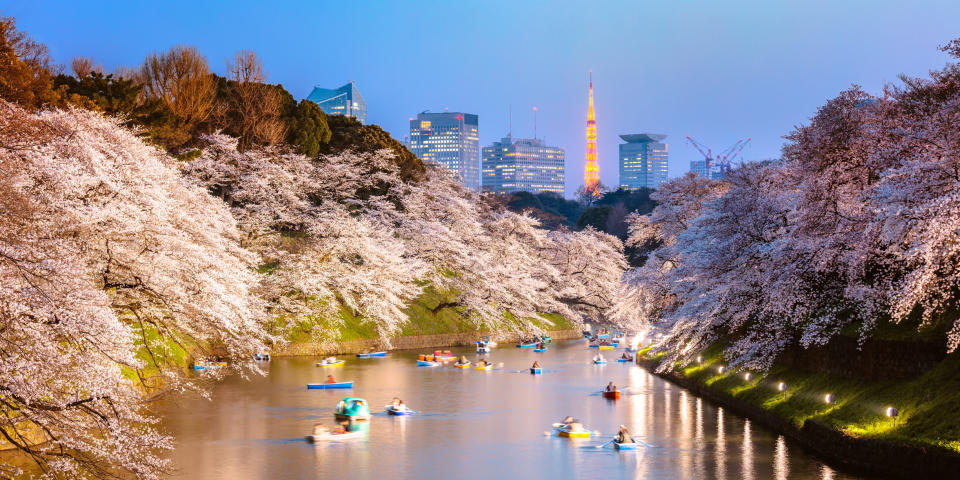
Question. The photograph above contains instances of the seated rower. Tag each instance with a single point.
(624, 436)
(626, 356)
(402, 407)
(567, 420)
(611, 387)
(598, 358)
(536, 364)
(330, 379)
(330, 360)
(371, 349)
(541, 346)
(462, 360)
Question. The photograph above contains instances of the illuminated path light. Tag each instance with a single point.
(747, 376)
(893, 413)
(829, 399)
(782, 387)
(720, 369)
(699, 359)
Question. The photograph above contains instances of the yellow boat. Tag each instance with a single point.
(485, 367)
(462, 365)
(334, 364)
(564, 432)
(605, 347)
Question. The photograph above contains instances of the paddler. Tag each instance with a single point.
(624, 436)
(611, 387)
(330, 379)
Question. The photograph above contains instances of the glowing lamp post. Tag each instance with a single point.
(893, 413)
(699, 359)
(782, 387)
(747, 377)
(829, 399)
(720, 369)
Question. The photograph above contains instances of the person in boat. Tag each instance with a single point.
(626, 356)
(572, 424)
(330, 379)
(320, 429)
(536, 364)
(330, 360)
(568, 420)
(623, 436)
(611, 387)
(598, 358)
(401, 407)
(482, 363)
(541, 346)
(372, 349)
(462, 360)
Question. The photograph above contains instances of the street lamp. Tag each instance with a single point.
(893, 413)
(720, 369)
(747, 376)
(699, 359)
(782, 387)
(829, 399)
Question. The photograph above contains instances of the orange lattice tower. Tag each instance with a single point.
(591, 173)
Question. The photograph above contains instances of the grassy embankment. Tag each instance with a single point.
(429, 314)
(929, 405)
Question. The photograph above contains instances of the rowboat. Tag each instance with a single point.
(565, 432)
(206, 366)
(393, 411)
(462, 365)
(614, 395)
(536, 371)
(338, 363)
(485, 367)
(334, 437)
(425, 363)
(539, 350)
(261, 357)
(483, 349)
(600, 362)
(486, 340)
(624, 359)
(527, 345)
(625, 446)
(371, 355)
(605, 347)
(327, 386)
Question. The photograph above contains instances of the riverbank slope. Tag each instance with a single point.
(852, 430)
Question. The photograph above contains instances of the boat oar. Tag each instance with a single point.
(608, 443)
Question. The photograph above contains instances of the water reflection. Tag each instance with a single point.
(474, 424)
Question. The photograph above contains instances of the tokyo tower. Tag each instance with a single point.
(591, 173)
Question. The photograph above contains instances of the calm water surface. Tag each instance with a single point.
(474, 424)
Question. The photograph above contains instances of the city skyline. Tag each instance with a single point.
(700, 69)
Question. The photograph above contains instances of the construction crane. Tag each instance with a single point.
(719, 165)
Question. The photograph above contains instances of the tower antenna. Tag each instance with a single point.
(510, 132)
(534, 123)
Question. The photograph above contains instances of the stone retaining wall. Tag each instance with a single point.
(457, 339)
(865, 455)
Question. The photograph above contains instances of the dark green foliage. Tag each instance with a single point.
(595, 217)
(349, 134)
(309, 129)
(106, 93)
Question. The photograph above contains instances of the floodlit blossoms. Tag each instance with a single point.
(858, 222)
(111, 265)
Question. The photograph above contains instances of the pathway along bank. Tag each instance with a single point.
(866, 455)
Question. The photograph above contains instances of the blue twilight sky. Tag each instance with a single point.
(715, 70)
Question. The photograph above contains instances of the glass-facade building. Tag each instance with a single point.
(450, 139)
(522, 165)
(345, 100)
(708, 169)
(643, 161)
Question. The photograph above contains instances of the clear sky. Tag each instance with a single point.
(716, 70)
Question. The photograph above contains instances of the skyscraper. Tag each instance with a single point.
(643, 161)
(345, 100)
(522, 165)
(450, 139)
(591, 172)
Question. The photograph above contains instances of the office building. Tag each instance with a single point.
(643, 161)
(450, 139)
(522, 165)
(345, 100)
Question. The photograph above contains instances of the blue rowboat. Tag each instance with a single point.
(536, 371)
(424, 363)
(600, 362)
(539, 350)
(327, 386)
(526, 345)
(371, 355)
(625, 446)
(603, 335)
(392, 411)
(594, 345)
(624, 360)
